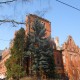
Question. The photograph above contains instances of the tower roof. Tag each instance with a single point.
(33, 15)
(1, 52)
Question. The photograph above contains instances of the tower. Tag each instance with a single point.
(30, 20)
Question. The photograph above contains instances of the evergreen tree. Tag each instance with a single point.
(40, 51)
(14, 64)
(37, 48)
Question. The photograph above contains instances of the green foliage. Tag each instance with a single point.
(35, 47)
(19, 40)
(14, 64)
(40, 50)
(14, 70)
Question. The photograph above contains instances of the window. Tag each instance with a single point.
(43, 23)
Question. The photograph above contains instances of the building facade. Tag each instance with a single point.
(30, 19)
(66, 58)
(71, 59)
(5, 56)
(58, 59)
(57, 53)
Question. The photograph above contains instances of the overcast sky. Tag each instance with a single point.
(64, 20)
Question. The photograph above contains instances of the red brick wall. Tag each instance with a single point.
(71, 59)
(30, 19)
(5, 56)
(59, 69)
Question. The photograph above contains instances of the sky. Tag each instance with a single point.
(64, 20)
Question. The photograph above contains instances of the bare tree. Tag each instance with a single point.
(11, 21)
(13, 14)
(10, 1)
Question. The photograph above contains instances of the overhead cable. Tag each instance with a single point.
(68, 5)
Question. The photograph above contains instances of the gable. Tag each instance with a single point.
(70, 45)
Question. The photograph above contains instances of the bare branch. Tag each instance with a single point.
(12, 22)
(7, 1)
(10, 1)
(42, 12)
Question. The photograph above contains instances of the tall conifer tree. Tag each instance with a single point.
(40, 50)
(14, 64)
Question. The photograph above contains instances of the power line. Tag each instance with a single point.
(68, 5)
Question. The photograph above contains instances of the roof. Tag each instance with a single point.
(38, 17)
(1, 52)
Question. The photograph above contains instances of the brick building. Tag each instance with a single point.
(30, 20)
(5, 56)
(71, 59)
(54, 42)
(58, 59)
(66, 58)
